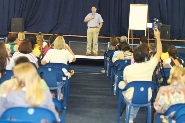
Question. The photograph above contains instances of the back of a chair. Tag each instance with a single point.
(119, 65)
(174, 107)
(29, 114)
(180, 115)
(59, 65)
(140, 95)
(52, 76)
(7, 75)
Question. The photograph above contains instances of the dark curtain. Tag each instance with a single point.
(66, 16)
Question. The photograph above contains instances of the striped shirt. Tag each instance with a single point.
(30, 56)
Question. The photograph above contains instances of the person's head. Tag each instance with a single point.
(11, 37)
(143, 39)
(125, 47)
(59, 34)
(113, 41)
(21, 59)
(59, 43)
(177, 74)
(28, 78)
(151, 47)
(40, 39)
(121, 45)
(165, 48)
(21, 36)
(3, 58)
(93, 9)
(32, 39)
(172, 51)
(25, 47)
(123, 39)
(140, 54)
(51, 40)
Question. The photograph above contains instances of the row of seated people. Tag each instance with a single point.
(56, 51)
(142, 70)
(26, 89)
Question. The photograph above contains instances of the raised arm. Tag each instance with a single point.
(159, 45)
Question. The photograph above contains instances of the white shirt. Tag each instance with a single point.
(10, 64)
(138, 72)
(58, 56)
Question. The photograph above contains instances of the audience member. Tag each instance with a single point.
(10, 85)
(61, 53)
(143, 40)
(126, 54)
(11, 45)
(141, 70)
(6, 63)
(113, 43)
(165, 54)
(50, 43)
(26, 50)
(173, 60)
(28, 92)
(37, 50)
(123, 39)
(118, 51)
(173, 93)
(21, 37)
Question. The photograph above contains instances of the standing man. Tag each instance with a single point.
(94, 23)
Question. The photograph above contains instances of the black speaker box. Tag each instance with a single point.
(17, 25)
(165, 31)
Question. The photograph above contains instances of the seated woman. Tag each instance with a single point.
(113, 43)
(28, 92)
(26, 50)
(37, 50)
(61, 53)
(173, 93)
(21, 37)
(10, 85)
(11, 45)
(6, 62)
(165, 54)
(126, 54)
(50, 43)
(172, 60)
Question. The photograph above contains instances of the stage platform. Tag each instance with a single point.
(89, 57)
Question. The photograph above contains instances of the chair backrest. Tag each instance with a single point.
(59, 65)
(140, 95)
(174, 107)
(52, 75)
(7, 75)
(110, 53)
(180, 115)
(29, 114)
(121, 64)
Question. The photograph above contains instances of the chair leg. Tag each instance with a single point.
(158, 120)
(128, 108)
(123, 109)
(149, 112)
(120, 104)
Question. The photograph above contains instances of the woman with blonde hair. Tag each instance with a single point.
(61, 53)
(28, 92)
(37, 50)
(21, 37)
(173, 93)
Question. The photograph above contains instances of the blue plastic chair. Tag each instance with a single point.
(29, 114)
(55, 79)
(179, 116)
(140, 98)
(10, 121)
(7, 75)
(60, 107)
(169, 111)
(109, 62)
(117, 73)
(67, 67)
